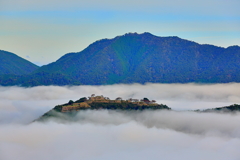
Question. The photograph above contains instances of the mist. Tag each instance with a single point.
(178, 134)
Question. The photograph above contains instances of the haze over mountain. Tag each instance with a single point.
(139, 58)
(12, 64)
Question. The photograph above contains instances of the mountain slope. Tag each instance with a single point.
(226, 109)
(141, 58)
(148, 58)
(15, 65)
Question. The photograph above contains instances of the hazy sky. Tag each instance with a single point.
(108, 135)
(42, 31)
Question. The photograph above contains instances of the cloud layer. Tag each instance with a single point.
(124, 139)
(22, 105)
(109, 135)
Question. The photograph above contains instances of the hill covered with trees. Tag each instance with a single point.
(226, 109)
(69, 110)
(138, 58)
(11, 64)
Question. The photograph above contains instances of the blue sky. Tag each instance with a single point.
(43, 31)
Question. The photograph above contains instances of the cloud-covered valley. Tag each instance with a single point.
(106, 134)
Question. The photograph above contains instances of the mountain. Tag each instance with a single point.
(139, 58)
(11, 64)
(227, 109)
(68, 111)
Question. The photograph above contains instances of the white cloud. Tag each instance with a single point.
(22, 105)
(129, 140)
(120, 135)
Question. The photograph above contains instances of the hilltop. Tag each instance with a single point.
(70, 109)
(11, 64)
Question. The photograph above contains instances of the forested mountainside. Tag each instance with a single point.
(138, 58)
(11, 64)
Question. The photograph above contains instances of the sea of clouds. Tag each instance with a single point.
(178, 134)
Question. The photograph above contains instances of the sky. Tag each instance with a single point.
(107, 135)
(43, 31)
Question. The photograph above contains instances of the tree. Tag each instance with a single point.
(118, 99)
(146, 100)
(83, 99)
(70, 102)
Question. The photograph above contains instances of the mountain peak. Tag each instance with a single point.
(233, 47)
(131, 34)
(10, 63)
(137, 34)
(142, 58)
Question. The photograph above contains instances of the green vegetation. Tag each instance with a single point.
(126, 106)
(229, 109)
(83, 99)
(11, 64)
(137, 58)
(71, 108)
(70, 102)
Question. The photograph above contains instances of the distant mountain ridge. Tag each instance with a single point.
(14, 65)
(139, 58)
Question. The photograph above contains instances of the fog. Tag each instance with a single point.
(178, 134)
